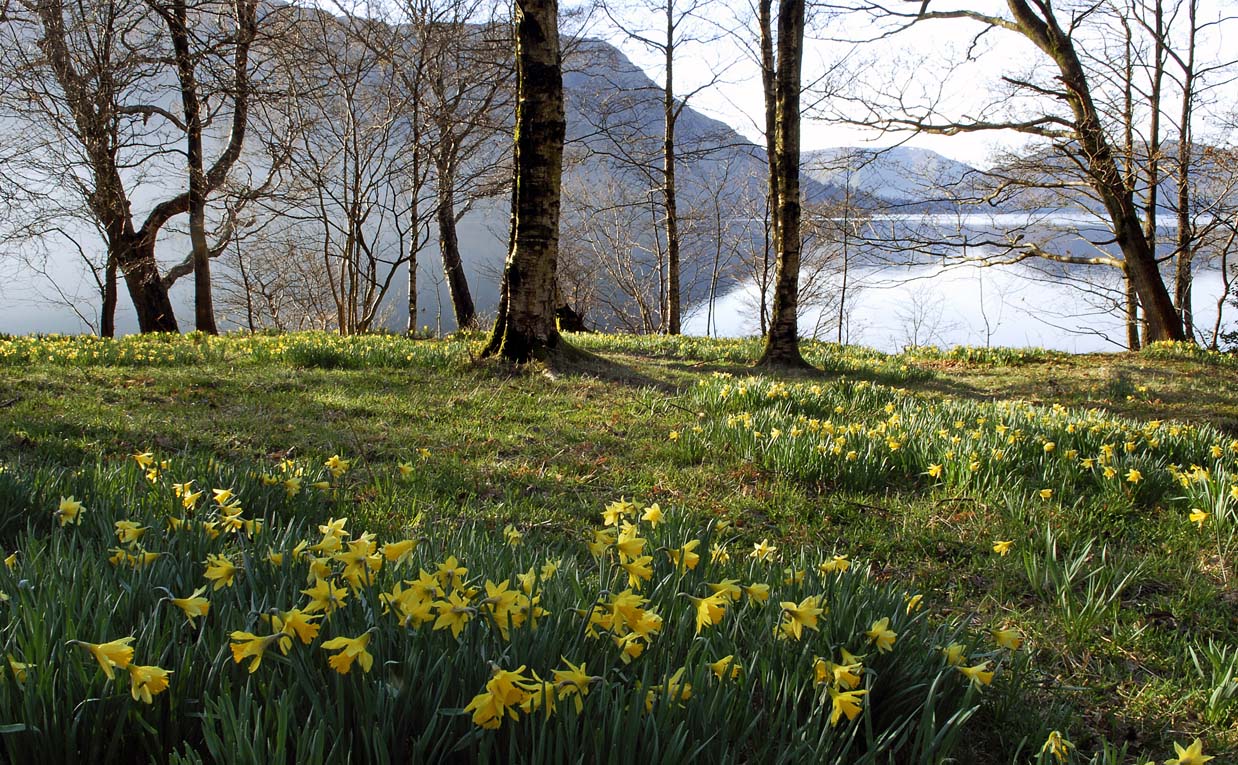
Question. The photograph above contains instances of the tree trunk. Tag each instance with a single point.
(526, 327)
(449, 246)
(1184, 242)
(1162, 318)
(668, 180)
(178, 29)
(107, 322)
(1132, 314)
(782, 343)
(135, 254)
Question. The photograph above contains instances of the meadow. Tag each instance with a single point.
(320, 549)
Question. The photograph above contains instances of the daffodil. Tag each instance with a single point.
(1002, 546)
(763, 550)
(453, 613)
(836, 565)
(955, 654)
(450, 573)
(1191, 755)
(146, 682)
(728, 587)
(112, 654)
(69, 511)
(724, 667)
(757, 591)
(881, 635)
(685, 557)
(221, 571)
(1007, 639)
(710, 610)
(799, 616)
(1056, 746)
(193, 606)
(1198, 517)
(653, 515)
(512, 535)
(325, 596)
(846, 703)
(128, 531)
(573, 681)
(977, 674)
(297, 622)
(246, 645)
(350, 650)
(18, 668)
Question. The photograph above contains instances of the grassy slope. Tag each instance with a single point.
(551, 448)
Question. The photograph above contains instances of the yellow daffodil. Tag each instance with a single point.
(399, 553)
(881, 635)
(757, 591)
(573, 681)
(710, 610)
(453, 613)
(115, 653)
(728, 587)
(512, 535)
(1007, 639)
(847, 703)
(653, 515)
(1046, 493)
(128, 531)
(1133, 476)
(1190, 755)
(246, 645)
(1198, 517)
(325, 597)
(1057, 746)
(350, 650)
(19, 669)
(297, 622)
(724, 667)
(221, 571)
(977, 674)
(1002, 546)
(69, 511)
(146, 682)
(685, 557)
(193, 606)
(763, 551)
(913, 602)
(799, 616)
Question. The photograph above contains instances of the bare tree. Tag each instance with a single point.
(1063, 109)
(88, 83)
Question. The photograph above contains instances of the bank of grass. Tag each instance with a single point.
(1126, 606)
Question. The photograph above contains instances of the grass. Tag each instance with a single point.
(1127, 609)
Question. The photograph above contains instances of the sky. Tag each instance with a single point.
(914, 62)
(735, 95)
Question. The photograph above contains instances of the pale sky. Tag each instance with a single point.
(917, 55)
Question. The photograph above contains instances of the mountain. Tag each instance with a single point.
(901, 175)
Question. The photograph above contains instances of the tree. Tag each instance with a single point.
(525, 328)
(782, 343)
(677, 26)
(1064, 109)
(88, 80)
(465, 83)
(357, 175)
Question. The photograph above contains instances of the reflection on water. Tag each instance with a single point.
(961, 305)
